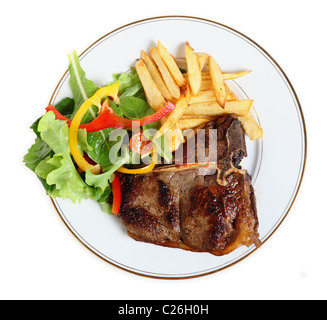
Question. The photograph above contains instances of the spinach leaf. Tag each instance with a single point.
(135, 108)
(66, 106)
(130, 84)
(105, 146)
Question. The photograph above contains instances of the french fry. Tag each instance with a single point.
(213, 109)
(192, 123)
(208, 95)
(206, 82)
(206, 85)
(239, 107)
(180, 107)
(188, 116)
(206, 75)
(181, 137)
(174, 137)
(193, 69)
(171, 65)
(218, 82)
(235, 75)
(227, 76)
(207, 88)
(204, 96)
(203, 58)
(156, 75)
(169, 80)
(251, 127)
(152, 93)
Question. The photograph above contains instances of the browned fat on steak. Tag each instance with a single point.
(204, 208)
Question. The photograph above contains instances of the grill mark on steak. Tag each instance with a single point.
(166, 200)
(164, 195)
(192, 210)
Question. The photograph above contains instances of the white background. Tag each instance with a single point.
(41, 259)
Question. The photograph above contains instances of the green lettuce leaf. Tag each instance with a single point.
(36, 153)
(130, 84)
(101, 183)
(101, 180)
(58, 171)
(81, 87)
(54, 133)
(40, 149)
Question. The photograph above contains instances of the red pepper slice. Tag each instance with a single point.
(116, 192)
(58, 115)
(108, 118)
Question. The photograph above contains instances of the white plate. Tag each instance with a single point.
(275, 162)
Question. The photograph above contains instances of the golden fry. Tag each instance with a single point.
(206, 75)
(218, 82)
(177, 113)
(235, 75)
(156, 75)
(171, 65)
(240, 108)
(174, 137)
(192, 123)
(208, 95)
(206, 85)
(152, 93)
(227, 76)
(169, 80)
(189, 116)
(193, 69)
(204, 96)
(251, 127)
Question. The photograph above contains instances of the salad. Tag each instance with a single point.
(82, 141)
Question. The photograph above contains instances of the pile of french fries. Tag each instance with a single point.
(199, 96)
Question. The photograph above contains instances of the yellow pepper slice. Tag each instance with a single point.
(109, 91)
(144, 169)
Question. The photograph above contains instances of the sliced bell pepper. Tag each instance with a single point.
(58, 115)
(144, 169)
(108, 119)
(116, 192)
(110, 91)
